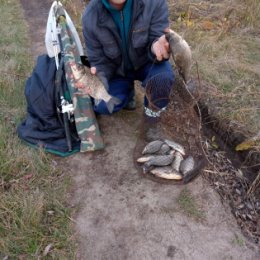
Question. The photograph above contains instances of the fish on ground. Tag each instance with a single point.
(153, 147)
(187, 165)
(177, 161)
(166, 173)
(165, 148)
(159, 160)
(145, 158)
(177, 147)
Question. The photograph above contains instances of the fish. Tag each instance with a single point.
(152, 147)
(167, 173)
(77, 74)
(165, 148)
(159, 160)
(181, 54)
(177, 147)
(144, 159)
(187, 165)
(94, 85)
(177, 161)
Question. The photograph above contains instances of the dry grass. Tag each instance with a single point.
(33, 212)
(224, 37)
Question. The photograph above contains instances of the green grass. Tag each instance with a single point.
(189, 206)
(238, 241)
(33, 202)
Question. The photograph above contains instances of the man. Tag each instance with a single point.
(125, 41)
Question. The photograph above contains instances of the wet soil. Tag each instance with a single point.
(123, 215)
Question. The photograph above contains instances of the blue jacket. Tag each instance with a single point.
(103, 41)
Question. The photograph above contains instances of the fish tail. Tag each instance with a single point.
(112, 102)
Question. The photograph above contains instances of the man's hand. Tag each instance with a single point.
(93, 70)
(160, 48)
(101, 76)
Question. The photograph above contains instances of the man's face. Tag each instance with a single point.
(118, 4)
(117, 1)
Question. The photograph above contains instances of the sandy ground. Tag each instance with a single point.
(121, 214)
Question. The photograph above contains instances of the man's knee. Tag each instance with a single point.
(159, 88)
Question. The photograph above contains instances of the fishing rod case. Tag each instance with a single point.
(59, 118)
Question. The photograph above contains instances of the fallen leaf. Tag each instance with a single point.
(207, 25)
(244, 146)
(249, 143)
(189, 23)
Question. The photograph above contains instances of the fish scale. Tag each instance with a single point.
(144, 159)
(160, 160)
(166, 172)
(187, 165)
(175, 146)
(165, 148)
(153, 147)
(181, 54)
(177, 161)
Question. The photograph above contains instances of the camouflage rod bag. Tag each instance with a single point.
(59, 128)
(62, 42)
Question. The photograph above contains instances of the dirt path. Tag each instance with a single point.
(124, 216)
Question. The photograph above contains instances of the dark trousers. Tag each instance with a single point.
(157, 80)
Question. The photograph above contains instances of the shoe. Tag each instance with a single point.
(151, 127)
(149, 131)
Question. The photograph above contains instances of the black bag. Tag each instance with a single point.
(43, 126)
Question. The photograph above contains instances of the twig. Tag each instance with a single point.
(210, 171)
(255, 184)
(200, 115)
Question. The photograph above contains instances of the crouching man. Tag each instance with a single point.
(125, 41)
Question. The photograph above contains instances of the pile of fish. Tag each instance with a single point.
(166, 159)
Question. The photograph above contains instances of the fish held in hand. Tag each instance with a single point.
(187, 165)
(152, 147)
(166, 173)
(181, 54)
(94, 85)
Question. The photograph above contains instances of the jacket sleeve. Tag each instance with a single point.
(159, 23)
(95, 52)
